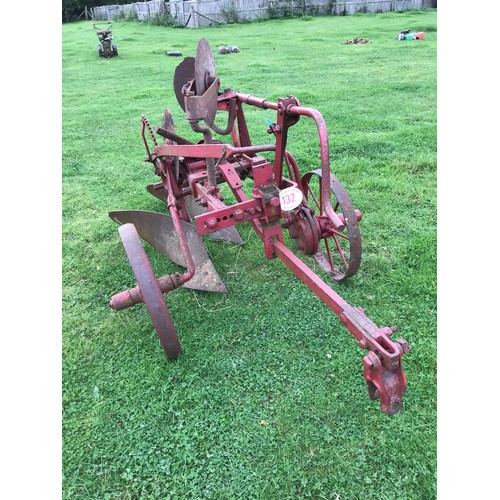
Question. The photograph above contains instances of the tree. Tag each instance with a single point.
(71, 9)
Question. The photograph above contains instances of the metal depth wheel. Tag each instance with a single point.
(340, 251)
(150, 290)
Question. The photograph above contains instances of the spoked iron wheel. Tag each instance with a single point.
(339, 251)
(150, 290)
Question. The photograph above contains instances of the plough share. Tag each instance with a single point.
(314, 208)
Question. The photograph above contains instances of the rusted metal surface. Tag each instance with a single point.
(305, 229)
(158, 230)
(382, 365)
(209, 150)
(150, 291)
(226, 234)
(322, 222)
(204, 67)
(183, 74)
(106, 48)
(346, 243)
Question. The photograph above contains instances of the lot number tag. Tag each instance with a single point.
(290, 198)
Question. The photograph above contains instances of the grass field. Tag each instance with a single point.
(138, 426)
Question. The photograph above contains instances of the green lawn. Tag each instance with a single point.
(136, 425)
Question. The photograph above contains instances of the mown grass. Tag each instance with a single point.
(138, 426)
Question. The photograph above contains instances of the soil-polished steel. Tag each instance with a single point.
(158, 230)
(204, 67)
(183, 73)
(150, 290)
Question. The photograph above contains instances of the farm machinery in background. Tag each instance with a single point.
(106, 48)
(314, 208)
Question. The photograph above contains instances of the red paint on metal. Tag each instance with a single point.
(150, 290)
(226, 217)
(193, 172)
(383, 371)
(208, 150)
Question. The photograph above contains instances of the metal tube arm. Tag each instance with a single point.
(383, 370)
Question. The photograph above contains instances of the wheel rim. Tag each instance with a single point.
(340, 251)
(150, 290)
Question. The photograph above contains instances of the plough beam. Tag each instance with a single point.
(382, 365)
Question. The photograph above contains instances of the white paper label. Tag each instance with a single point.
(290, 198)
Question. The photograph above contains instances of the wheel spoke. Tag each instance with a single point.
(329, 253)
(342, 235)
(340, 251)
(318, 204)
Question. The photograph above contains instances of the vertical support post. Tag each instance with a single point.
(191, 15)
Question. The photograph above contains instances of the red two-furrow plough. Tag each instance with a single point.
(314, 208)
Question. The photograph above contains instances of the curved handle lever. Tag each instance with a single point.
(230, 120)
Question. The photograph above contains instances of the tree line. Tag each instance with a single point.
(72, 9)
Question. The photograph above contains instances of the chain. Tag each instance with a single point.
(153, 138)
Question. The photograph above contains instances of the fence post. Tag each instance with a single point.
(192, 16)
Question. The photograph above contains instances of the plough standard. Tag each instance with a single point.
(314, 208)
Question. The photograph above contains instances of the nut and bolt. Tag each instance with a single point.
(212, 222)
(404, 344)
(371, 359)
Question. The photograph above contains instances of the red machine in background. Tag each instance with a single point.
(314, 208)
(106, 48)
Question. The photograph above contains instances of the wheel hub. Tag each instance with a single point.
(305, 229)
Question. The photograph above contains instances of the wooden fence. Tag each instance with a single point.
(139, 10)
(198, 13)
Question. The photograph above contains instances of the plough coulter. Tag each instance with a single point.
(314, 208)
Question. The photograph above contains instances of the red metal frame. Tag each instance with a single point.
(209, 164)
